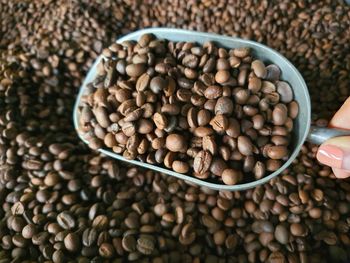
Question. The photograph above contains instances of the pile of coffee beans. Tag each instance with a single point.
(62, 202)
(204, 110)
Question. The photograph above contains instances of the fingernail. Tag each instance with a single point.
(335, 156)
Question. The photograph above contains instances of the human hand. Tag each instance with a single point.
(336, 151)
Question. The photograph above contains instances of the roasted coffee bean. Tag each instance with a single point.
(202, 162)
(279, 114)
(45, 171)
(176, 143)
(66, 220)
(72, 242)
(145, 245)
(231, 176)
(135, 70)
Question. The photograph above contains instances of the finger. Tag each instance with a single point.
(342, 118)
(335, 153)
(341, 174)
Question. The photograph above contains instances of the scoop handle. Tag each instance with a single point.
(318, 135)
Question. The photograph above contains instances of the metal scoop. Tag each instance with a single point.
(302, 130)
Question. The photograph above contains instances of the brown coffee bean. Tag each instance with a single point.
(213, 92)
(144, 126)
(245, 145)
(203, 117)
(176, 143)
(254, 84)
(222, 76)
(298, 230)
(282, 234)
(102, 117)
(277, 152)
(259, 68)
(135, 70)
(241, 52)
(129, 243)
(285, 91)
(217, 166)
(219, 123)
(192, 117)
(231, 176)
(66, 220)
(224, 105)
(143, 82)
(259, 170)
(160, 120)
(157, 84)
(293, 109)
(273, 72)
(280, 114)
(145, 244)
(203, 131)
(190, 61)
(106, 250)
(180, 167)
(72, 242)
(202, 162)
(209, 144)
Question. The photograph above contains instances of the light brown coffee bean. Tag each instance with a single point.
(224, 105)
(203, 117)
(209, 144)
(293, 109)
(231, 176)
(213, 92)
(222, 76)
(217, 166)
(160, 120)
(176, 143)
(180, 167)
(259, 68)
(135, 70)
(280, 114)
(202, 162)
(277, 152)
(245, 145)
(219, 123)
(285, 91)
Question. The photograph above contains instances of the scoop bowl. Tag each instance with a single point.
(262, 52)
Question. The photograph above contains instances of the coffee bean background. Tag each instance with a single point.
(62, 202)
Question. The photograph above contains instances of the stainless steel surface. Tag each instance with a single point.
(318, 135)
(289, 74)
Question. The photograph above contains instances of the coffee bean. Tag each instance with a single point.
(282, 234)
(135, 70)
(202, 162)
(157, 84)
(245, 145)
(231, 176)
(190, 61)
(217, 166)
(176, 143)
(259, 68)
(66, 220)
(180, 167)
(222, 76)
(213, 92)
(224, 105)
(72, 242)
(145, 244)
(279, 114)
(277, 152)
(106, 250)
(219, 123)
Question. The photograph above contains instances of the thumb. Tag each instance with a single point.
(336, 153)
